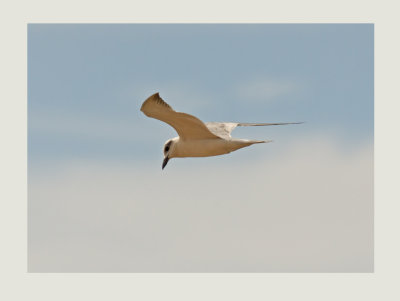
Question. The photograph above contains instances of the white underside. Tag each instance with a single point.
(209, 147)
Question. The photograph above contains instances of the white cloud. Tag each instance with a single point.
(309, 209)
(267, 89)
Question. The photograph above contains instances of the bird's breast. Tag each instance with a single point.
(203, 148)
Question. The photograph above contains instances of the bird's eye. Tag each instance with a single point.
(166, 148)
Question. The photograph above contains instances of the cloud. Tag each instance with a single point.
(306, 209)
(267, 89)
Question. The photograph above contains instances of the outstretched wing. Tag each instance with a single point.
(224, 129)
(187, 126)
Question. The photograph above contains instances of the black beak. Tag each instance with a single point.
(165, 162)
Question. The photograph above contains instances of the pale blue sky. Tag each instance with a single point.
(98, 200)
(87, 82)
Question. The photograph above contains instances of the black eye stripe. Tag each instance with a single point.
(167, 146)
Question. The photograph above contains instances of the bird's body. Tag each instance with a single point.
(196, 139)
(208, 147)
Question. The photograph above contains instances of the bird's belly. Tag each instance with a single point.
(204, 148)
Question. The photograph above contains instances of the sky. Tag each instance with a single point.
(98, 200)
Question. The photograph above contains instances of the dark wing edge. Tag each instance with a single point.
(157, 99)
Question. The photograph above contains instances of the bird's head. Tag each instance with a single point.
(169, 150)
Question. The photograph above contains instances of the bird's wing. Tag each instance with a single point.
(224, 129)
(187, 126)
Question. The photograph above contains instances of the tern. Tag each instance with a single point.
(196, 138)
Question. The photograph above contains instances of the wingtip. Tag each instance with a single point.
(154, 102)
(148, 99)
(153, 96)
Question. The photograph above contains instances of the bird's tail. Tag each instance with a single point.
(257, 141)
(240, 143)
(260, 141)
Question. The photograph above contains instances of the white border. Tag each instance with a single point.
(17, 284)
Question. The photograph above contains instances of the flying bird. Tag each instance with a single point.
(196, 138)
